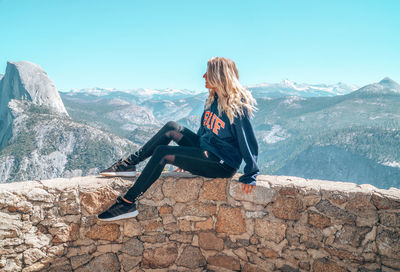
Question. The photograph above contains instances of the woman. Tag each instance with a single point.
(224, 138)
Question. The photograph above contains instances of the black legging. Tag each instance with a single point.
(188, 156)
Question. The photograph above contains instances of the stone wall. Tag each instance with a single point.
(189, 223)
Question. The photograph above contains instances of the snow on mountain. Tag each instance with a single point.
(1, 76)
(285, 88)
(168, 91)
(141, 93)
(93, 91)
(392, 164)
(289, 88)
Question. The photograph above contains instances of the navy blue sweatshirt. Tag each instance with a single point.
(230, 142)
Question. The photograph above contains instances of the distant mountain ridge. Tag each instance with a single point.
(284, 88)
(289, 88)
(385, 86)
(138, 95)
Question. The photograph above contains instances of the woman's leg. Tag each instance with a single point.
(192, 159)
(170, 131)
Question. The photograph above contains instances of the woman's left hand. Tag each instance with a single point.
(247, 188)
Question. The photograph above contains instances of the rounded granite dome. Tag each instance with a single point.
(27, 80)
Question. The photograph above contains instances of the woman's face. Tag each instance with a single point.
(208, 86)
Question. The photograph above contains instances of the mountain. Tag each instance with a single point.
(133, 95)
(290, 88)
(25, 80)
(176, 109)
(45, 146)
(361, 155)
(114, 114)
(386, 86)
(324, 131)
(39, 139)
(353, 137)
(125, 111)
(121, 113)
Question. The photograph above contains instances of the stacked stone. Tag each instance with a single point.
(190, 223)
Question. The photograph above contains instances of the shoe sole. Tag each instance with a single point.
(122, 216)
(119, 174)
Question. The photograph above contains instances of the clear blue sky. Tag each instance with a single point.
(161, 44)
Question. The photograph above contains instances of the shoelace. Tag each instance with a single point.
(118, 164)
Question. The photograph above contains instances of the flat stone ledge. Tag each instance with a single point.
(267, 181)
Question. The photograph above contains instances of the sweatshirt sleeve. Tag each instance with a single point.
(248, 148)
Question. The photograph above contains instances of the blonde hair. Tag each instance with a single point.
(233, 98)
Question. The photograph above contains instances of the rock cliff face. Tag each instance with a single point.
(38, 140)
(190, 223)
(45, 145)
(26, 81)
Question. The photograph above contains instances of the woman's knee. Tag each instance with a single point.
(174, 135)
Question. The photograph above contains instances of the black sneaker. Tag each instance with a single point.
(120, 210)
(122, 168)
